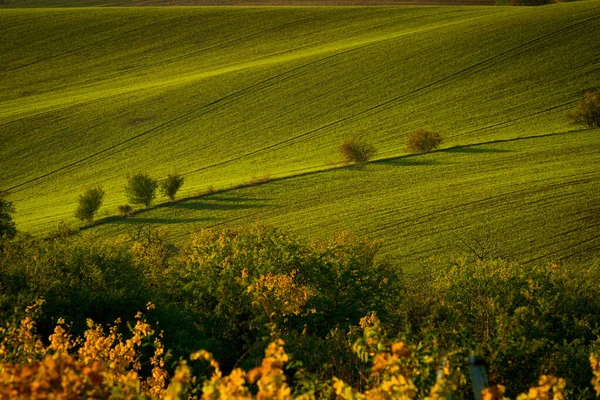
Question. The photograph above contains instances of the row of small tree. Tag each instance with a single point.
(356, 151)
(140, 189)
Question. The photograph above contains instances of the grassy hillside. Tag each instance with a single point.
(528, 199)
(222, 95)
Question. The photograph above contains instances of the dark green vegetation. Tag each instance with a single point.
(89, 203)
(8, 228)
(171, 185)
(231, 292)
(356, 151)
(225, 95)
(587, 112)
(423, 141)
(141, 189)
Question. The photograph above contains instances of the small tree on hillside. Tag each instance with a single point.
(356, 151)
(89, 202)
(587, 112)
(423, 141)
(8, 229)
(170, 185)
(141, 189)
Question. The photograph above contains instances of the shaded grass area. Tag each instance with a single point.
(530, 199)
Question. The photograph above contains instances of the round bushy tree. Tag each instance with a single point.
(356, 151)
(423, 141)
(8, 228)
(170, 185)
(587, 112)
(89, 202)
(141, 189)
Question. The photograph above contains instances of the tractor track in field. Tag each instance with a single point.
(297, 138)
(221, 45)
(545, 256)
(179, 118)
(71, 51)
(424, 218)
(378, 108)
(588, 177)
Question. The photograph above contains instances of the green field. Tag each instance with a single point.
(223, 95)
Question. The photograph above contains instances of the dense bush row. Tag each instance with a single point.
(102, 363)
(233, 292)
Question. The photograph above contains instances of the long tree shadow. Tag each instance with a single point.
(233, 199)
(220, 203)
(408, 162)
(474, 150)
(160, 221)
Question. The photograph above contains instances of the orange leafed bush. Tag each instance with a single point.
(106, 365)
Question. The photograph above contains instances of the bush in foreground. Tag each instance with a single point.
(587, 112)
(170, 185)
(356, 151)
(423, 141)
(8, 228)
(231, 292)
(89, 203)
(106, 364)
(141, 189)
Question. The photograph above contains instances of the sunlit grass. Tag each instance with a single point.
(222, 95)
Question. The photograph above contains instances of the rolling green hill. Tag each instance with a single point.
(225, 94)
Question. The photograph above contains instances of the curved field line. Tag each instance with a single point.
(381, 106)
(329, 167)
(564, 249)
(301, 136)
(74, 84)
(90, 44)
(296, 138)
(421, 219)
(65, 99)
(517, 119)
(178, 118)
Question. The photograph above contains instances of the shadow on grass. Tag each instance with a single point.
(409, 162)
(220, 203)
(474, 150)
(233, 199)
(161, 221)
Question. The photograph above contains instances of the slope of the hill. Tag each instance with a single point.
(526, 199)
(224, 94)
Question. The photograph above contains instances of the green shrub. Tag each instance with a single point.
(170, 185)
(232, 291)
(89, 203)
(125, 210)
(524, 319)
(423, 141)
(79, 278)
(8, 228)
(356, 151)
(241, 284)
(141, 189)
(587, 112)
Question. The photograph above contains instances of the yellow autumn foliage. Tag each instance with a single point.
(104, 364)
